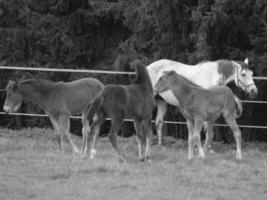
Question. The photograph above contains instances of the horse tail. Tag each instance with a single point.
(94, 106)
(239, 108)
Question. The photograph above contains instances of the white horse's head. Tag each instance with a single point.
(243, 78)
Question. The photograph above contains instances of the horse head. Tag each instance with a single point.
(163, 83)
(13, 97)
(244, 78)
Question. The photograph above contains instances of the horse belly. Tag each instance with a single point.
(169, 97)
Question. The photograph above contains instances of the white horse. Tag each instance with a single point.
(205, 74)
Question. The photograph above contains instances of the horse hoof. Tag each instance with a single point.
(82, 154)
(238, 157)
(93, 154)
(142, 159)
(201, 156)
(212, 151)
(76, 151)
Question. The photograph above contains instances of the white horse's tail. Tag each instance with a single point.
(239, 107)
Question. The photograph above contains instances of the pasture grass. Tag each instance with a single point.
(31, 167)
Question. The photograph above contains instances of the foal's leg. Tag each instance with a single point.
(237, 134)
(116, 123)
(190, 127)
(85, 131)
(209, 135)
(148, 133)
(57, 132)
(99, 119)
(196, 136)
(161, 111)
(65, 128)
(139, 138)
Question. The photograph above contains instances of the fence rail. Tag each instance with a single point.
(129, 120)
(113, 73)
(92, 71)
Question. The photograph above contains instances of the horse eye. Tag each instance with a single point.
(243, 75)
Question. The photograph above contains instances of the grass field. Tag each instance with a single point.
(31, 167)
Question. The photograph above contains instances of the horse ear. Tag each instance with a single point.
(246, 61)
(12, 84)
(16, 83)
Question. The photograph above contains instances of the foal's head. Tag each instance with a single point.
(165, 81)
(13, 97)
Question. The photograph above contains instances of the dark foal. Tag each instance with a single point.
(118, 101)
(58, 99)
(199, 105)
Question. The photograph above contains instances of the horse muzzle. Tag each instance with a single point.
(253, 92)
(6, 109)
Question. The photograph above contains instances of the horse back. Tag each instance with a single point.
(74, 96)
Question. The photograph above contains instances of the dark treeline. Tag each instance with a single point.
(106, 34)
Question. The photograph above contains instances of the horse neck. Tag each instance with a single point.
(232, 77)
(34, 92)
(181, 89)
(143, 78)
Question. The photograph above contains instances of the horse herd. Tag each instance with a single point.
(199, 91)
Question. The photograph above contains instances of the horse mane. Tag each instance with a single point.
(242, 64)
(142, 76)
(43, 86)
(225, 68)
(185, 81)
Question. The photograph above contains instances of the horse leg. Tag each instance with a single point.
(148, 133)
(57, 132)
(99, 119)
(196, 137)
(139, 138)
(209, 136)
(85, 131)
(161, 111)
(190, 127)
(65, 127)
(237, 135)
(116, 124)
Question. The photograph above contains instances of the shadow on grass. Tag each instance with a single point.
(60, 176)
